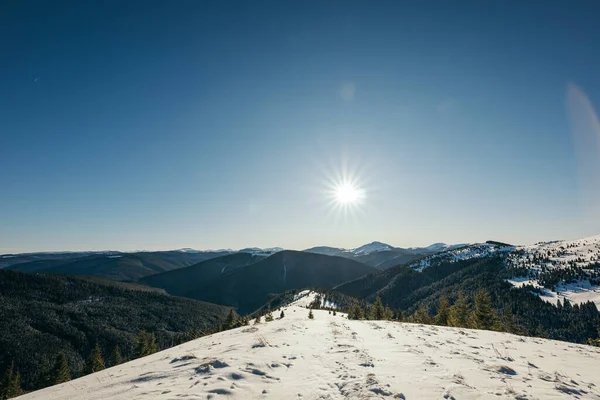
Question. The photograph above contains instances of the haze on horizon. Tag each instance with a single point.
(229, 125)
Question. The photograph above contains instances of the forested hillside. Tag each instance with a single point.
(42, 316)
(403, 289)
(117, 266)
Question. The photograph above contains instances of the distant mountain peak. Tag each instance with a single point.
(372, 248)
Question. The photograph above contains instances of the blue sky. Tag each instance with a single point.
(221, 124)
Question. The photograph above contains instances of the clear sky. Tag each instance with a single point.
(156, 125)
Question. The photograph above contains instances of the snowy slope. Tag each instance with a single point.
(559, 269)
(477, 250)
(371, 248)
(331, 357)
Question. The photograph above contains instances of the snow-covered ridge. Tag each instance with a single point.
(371, 248)
(477, 250)
(331, 357)
(557, 270)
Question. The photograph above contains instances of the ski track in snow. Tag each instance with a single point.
(332, 357)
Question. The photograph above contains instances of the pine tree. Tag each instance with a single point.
(377, 309)
(360, 312)
(142, 346)
(232, 320)
(61, 369)
(152, 348)
(421, 316)
(281, 315)
(269, 316)
(115, 358)
(483, 315)
(369, 312)
(14, 386)
(388, 314)
(7, 380)
(459, 312)
(95, 362)
(443, 312)
(403, 317)
(257, 320)
(352, 311)
(310, 314)
(508, 321)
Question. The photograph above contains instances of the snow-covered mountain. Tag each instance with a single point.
(382, 255)
(373, 247)
(331, 357)
(556, 270)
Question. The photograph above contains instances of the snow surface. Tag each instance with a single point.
(332, 357)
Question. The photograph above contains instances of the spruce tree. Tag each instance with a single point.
(443, 312)
(508, 321)
(115, 358)
(142, 346)
(421, 316)
(61, 369)
(7, 379)
(483, 315)
(403, 317)
(14, 386)
(269, 316)
(459, 312)
(377, 309)
(388, 314)
(257, 320)
(232, 320)
(95, 361)
(310, 314)
(360, 312)
(369, 312)
(334, 313)
(281, 315)
(352, 311)
(152, 348)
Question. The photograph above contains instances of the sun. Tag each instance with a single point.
(347, 193)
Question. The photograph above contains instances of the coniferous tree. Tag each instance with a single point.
(310, 314)
(459, 312)
(257, 320)
(14, 386)
(7, 380)
(421, 316)
(443, 312)
(508, 321)
(281, 315)
(95, 362)
(152, 348)
(378, 310)
(334, 313)
(483, 315)
(369, 312)
(61, 369)
(269, 316)
(360, 312)
(352, 311)
(388, 314)
(403, 317)
(232, 320)
(116, 358)
(142, 348)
